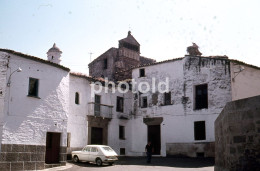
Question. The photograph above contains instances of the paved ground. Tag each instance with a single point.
(139, 163)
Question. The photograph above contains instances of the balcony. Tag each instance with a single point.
(99, 110)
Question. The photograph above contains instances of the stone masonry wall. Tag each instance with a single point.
(237, 134)
(26, 157)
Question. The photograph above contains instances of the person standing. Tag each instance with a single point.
(149, 150)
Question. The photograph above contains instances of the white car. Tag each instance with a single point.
(95, 153)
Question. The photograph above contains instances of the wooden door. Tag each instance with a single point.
(52, 147)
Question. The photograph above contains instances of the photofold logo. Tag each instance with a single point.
(143, 87)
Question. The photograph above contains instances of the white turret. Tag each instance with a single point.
(54, 54)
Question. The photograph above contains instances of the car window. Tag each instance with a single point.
(107, 149)
(87, 149)
(94, 149)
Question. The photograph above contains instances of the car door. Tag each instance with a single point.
(85, 154)
(93, 154)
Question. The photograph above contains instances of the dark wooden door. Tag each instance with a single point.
(154, 135)
(52, 147)
(96, 135)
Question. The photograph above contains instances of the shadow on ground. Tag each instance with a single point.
(159, 161)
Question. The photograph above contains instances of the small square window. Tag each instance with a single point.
(120, 104)
(144, 102)
(142, 72)
(121, 132)
(33, 87)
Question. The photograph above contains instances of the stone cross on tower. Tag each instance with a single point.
(54, 54)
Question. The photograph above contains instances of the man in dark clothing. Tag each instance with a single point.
(149, 150)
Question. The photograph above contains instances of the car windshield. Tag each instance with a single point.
(107, 148)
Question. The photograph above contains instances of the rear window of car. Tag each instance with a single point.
(107, 148)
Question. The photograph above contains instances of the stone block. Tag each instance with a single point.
(37, 157)
(29, 166)
(18, 148)
(17, 166)
(6, 147)
(24, 156)
(41, 149)
(2, 156)
(63, 163)
(63, 149)
(11, 157)
(62, 157)
(239, 139)
(39, 165)
(30, 148)
(5, 166)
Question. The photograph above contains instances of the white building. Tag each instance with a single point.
(45, 109)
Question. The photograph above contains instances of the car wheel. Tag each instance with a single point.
(111, 163)
(99, 162)
(76, 159)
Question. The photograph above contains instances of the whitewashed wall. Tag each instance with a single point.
(3, 81)
(179, 118)
(245, 83)
(27, 119)
(77, 119)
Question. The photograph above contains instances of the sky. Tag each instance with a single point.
(164, 28)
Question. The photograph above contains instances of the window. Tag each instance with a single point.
(142, 72)
(97, 105)
(167, 98)
(107, 148)
(86, 149)
(76, 98)
(94, 149)
(199, 130)
(122, 151)
(121, 132)
(144, 102)
(33, 87)
(120, 104)
(105, 63)
(201, 96)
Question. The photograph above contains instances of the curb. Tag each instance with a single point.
(59, 168)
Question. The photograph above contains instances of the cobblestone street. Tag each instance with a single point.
(139, 163)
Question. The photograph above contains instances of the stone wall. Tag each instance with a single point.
(237, 134)
(26, 157)
(191, 149)
(96, 67)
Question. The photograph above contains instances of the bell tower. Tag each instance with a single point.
(54, 54)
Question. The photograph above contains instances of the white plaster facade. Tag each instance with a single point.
(25, 119)
(179, 117)
(245, 80)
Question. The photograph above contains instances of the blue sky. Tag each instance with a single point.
(164, 28)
